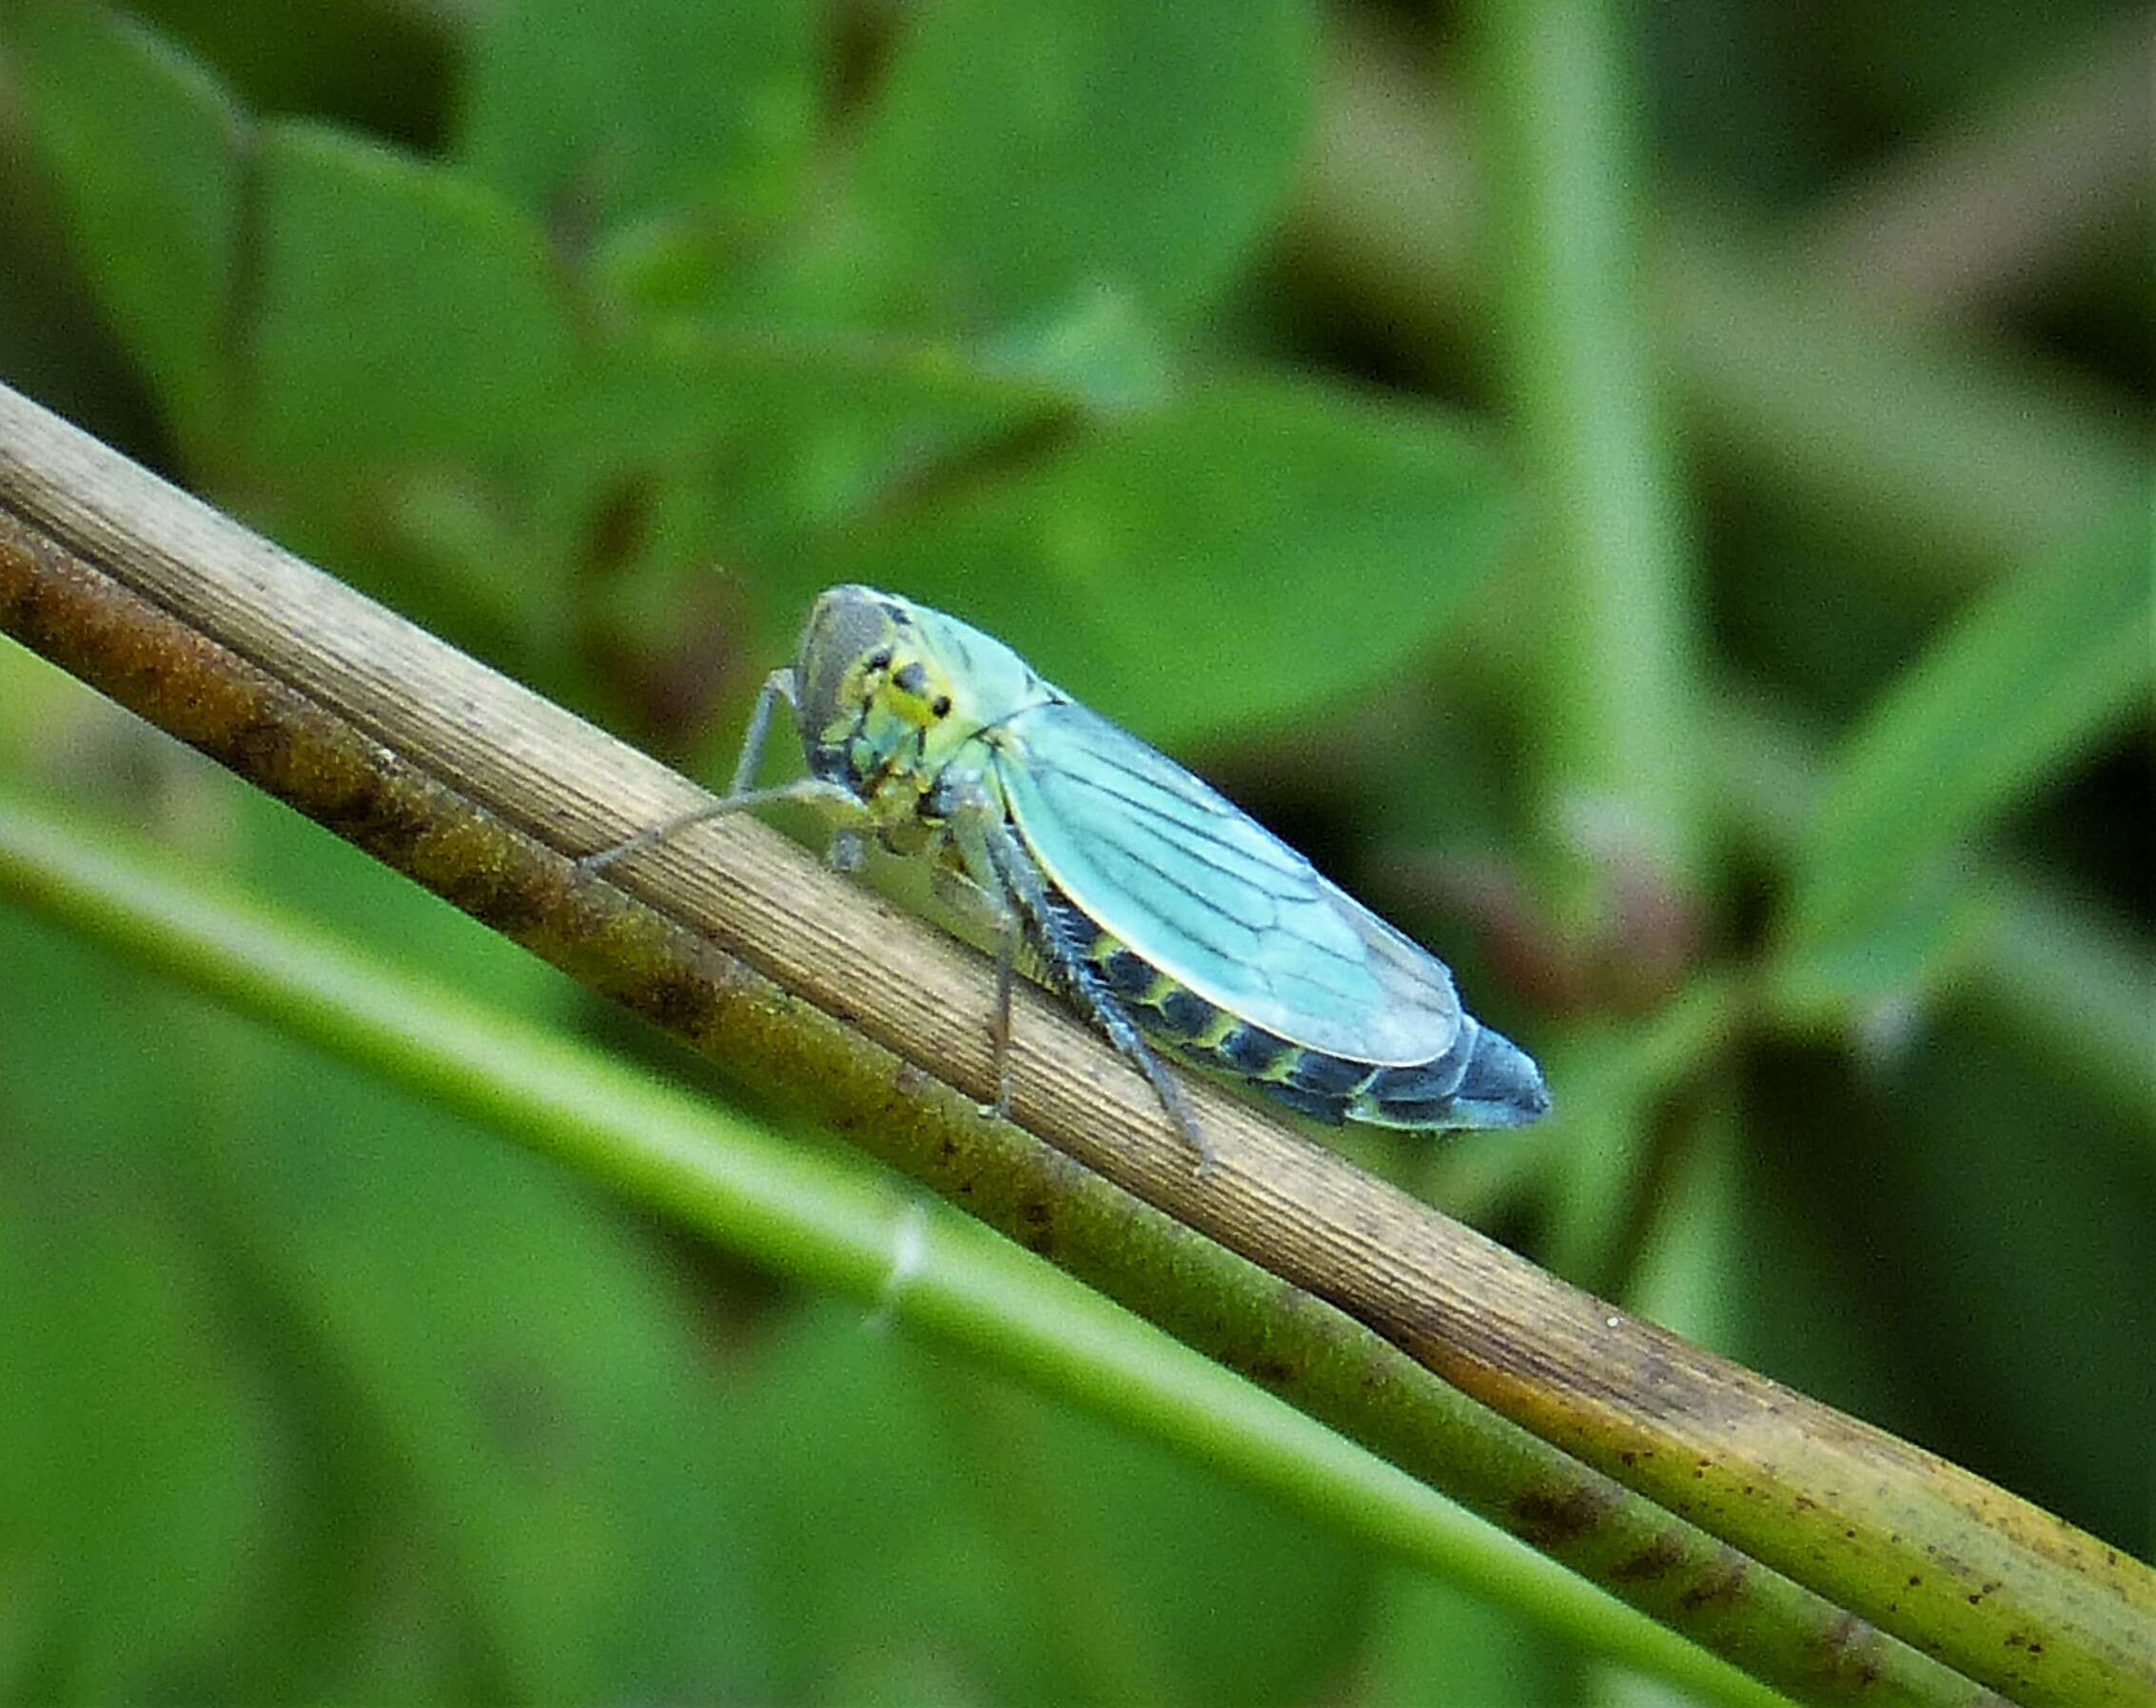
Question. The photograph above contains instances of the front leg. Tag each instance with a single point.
(831, 798)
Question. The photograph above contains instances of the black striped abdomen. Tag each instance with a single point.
(1483, 1080)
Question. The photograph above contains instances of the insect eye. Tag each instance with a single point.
(941, 705)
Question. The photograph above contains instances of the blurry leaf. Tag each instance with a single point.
(1020, 149)
(1239, 554)
(1944, 1247)
(2008, 1237)
(40, 704)
(921, 1525)
(472, 1317)
(468, 1449)
(1928, 935)
(2015, 690)
(1435, 1646)
(1694, 1235)
(133, 1467)
(379, 68)
(144, 149)
(140, 1490)
(404, 311)
(1239, 1599)
(867, 1556)
(798, 433)
(1600, 1156)
(593, 115)
(1098, 344)
(732, 454)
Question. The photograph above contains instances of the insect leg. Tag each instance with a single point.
(777, 686)
(1005, 965)
(848, 850)
(983, 837)
(992, 913)
(739, 795)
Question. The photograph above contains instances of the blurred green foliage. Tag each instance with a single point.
(600, 338)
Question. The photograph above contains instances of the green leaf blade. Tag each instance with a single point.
(403, 312)
(144, 148)
(1020, 154)
(1248, 551)
(604, 116)
(2013, 693)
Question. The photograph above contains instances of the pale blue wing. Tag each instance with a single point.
(1211, 897)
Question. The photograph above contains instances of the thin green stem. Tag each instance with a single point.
(809, 1215)
(1577, 364)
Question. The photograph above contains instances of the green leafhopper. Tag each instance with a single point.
(1169, 916)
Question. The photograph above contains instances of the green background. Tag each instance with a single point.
(1697, 575)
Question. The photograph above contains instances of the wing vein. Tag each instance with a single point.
(1211, 897)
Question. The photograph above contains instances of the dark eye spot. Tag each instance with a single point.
(941, 705)
(879, 660)
(911, 678)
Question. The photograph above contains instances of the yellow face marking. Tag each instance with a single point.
(917, 692)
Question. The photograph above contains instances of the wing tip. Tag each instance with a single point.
(1502, 1086)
